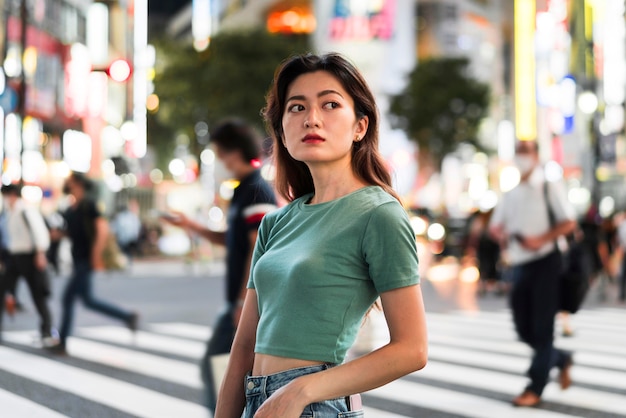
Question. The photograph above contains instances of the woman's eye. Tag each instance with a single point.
(331, 105)
(295, 108)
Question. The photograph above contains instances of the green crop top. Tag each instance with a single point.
(317, 269)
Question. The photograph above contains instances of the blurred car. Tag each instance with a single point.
(428, 230)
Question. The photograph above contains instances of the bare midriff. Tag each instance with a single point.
(265, 364)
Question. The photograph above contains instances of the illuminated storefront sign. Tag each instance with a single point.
(525, 105)
(362, 20)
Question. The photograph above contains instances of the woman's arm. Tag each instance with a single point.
(231, 399)
(406, 352)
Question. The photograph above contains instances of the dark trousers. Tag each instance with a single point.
(535, 302)
(23, 265)
(219, 343)
(80, 285)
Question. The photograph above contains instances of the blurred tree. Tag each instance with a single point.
(441, 107)
(231, 78)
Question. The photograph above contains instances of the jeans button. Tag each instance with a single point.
(251, 385)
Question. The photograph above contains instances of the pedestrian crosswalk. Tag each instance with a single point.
(475, 368)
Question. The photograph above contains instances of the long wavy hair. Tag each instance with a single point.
(293, 178)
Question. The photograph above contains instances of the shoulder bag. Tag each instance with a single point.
(574, 278)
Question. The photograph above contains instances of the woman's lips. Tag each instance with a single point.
(312, 138)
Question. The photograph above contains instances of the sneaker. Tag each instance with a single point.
(57, 349)
(49, 341)
(528, 398)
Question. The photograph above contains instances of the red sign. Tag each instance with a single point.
(360, 21)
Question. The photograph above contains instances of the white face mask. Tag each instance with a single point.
(524, 163)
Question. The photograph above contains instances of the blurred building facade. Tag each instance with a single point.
(555, 67)
(75, 76)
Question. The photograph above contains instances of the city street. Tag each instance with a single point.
(475, 363)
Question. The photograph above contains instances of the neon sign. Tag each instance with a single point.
(358, 20)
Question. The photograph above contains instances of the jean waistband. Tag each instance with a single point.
(270, 383)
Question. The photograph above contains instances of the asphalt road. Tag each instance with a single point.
(173, 293)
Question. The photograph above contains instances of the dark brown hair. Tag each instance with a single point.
(236, 135)
(293, 178)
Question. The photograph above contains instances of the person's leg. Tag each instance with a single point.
(38, 290)
(520, 302)
(91, 302)
(220, 342)
(5, 284)
(72, 290)
(52, 255)
(11, 275)
(544, 306)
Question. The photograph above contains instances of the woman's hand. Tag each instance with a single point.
(287, 402)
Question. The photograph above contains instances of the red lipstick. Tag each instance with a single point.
(312, 138)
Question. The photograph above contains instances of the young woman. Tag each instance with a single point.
(321, 262)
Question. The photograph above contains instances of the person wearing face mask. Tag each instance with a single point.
(521, 222)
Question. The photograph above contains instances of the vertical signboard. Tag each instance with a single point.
(379, 37)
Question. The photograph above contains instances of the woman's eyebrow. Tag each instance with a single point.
(320, 94)
(329, 91)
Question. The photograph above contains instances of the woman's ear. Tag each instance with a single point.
(361, 126)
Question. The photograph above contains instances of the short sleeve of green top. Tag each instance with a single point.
(317, 269)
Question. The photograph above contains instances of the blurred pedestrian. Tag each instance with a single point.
(126, 226)
(87, 229)
(56, 228)
(594, 252)
(238, 146)
(620, 221)
(486, 251)
(322, 261)
(522, 221)
(27, 241)
(9, 295)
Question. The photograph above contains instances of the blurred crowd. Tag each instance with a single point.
(603, 243)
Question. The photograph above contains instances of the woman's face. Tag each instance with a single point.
(319, 122)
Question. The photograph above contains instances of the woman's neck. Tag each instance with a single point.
(333, 185)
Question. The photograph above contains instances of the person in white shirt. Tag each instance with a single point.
(521, 222)
(126, 225)
(27, 241)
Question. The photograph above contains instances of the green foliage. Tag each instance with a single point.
(441, 107)
(231, 78)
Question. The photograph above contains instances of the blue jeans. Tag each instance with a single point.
(220, 342)
(259, 388)
(534, 303)
(80, 285)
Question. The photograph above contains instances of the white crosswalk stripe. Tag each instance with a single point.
(475, 368)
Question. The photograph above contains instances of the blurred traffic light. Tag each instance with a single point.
(119, 70)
